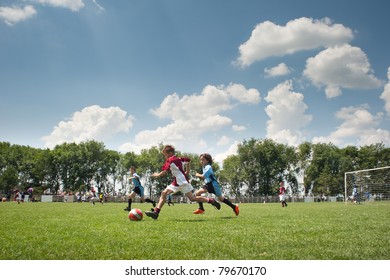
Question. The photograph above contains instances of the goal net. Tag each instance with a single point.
(371, 184)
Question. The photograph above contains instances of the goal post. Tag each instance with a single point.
(372, 184)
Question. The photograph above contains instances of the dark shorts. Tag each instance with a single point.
(211, 189)
(139, 191)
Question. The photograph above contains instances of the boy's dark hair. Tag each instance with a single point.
(169, 149)
(207, 157)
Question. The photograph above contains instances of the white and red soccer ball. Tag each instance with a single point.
(136, 214)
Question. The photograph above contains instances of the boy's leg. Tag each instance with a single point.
(151, 201)
(200, 209)
(230, 204)
(156, 211)
(211, 201)
(129, 201)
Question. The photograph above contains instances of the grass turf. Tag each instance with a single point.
(302, 231)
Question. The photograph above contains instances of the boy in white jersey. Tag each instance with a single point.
(180, 182)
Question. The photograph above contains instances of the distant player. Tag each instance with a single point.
(93, 196)
(282, 194)
(30, 192)
(355, 194)
(211, 185)
(169, 200)
(18, 196)
(180, 183)
(138, 189)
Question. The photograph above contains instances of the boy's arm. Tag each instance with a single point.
(188, 167)
(157, 175)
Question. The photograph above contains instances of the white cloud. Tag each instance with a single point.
(232, 150)
(243, 95)
(192, 116)
(91, 123)
(269, 39)
(74, 5)
(238, 128)
(13, 15)
(386, 94)
(286, 110)
(341, 67)
(223, 141)
(357, 123)
(279, 70)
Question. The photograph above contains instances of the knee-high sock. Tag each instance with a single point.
(228, 202)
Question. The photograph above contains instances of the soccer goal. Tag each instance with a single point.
(372, 184)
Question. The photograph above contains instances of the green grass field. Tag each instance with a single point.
(302, 231)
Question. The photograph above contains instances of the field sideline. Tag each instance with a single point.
(302, 231)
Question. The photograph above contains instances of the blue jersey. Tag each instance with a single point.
(209, 176)
(210, 181)
(136, 180)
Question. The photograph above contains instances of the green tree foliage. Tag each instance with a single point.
(231, 176)
(264, 163)
(255, 170)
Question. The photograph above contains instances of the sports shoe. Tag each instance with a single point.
(198, 211)
(152, 214)
(215, 204)
(236, 210)
(127, 209)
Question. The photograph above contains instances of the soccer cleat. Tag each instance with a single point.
(198, 211)
(154, 204)
(216, 204)
(152, 214)
(236, 210)
(127, 209)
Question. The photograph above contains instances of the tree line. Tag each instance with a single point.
(255, 170)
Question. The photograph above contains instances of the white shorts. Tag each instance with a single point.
(185, 188)
(282, 197)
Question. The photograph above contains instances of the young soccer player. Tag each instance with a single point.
(180, 183)
(211, 185)
(138, 189)
(169, 200)
(282, 194)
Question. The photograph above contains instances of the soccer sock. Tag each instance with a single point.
(129, 203)
(201, 205)
(228, 202)
(157, 210)
(149, 200)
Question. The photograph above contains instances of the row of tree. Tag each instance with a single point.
(255, 170)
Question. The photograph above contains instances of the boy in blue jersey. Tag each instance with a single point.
(211, 185)
(138, 189)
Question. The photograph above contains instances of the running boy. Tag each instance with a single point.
(282, 194)
(211, 185)
(180, 182)
(138, 189)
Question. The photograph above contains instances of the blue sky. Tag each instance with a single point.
(202, 75)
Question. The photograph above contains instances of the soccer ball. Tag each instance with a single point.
(136, 214)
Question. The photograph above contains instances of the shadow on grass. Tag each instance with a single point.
(203, 219)
(190, 221)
